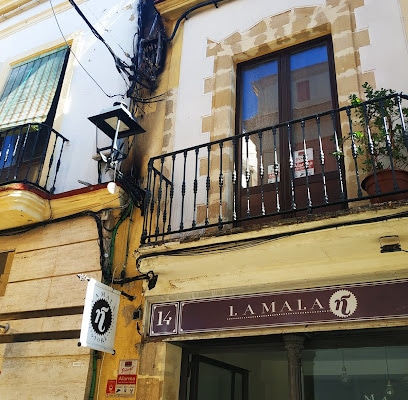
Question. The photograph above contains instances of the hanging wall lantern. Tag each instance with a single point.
(117, 123)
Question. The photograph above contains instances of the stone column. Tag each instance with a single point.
(294, 346)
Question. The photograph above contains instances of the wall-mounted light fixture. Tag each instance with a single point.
(150, 277)
(116, 122)
(4, 328)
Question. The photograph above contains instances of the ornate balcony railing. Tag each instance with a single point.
(31, 153)
(310, 165)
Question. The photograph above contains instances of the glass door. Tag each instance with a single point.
(290, 166)
(216, 380)
(367, 364)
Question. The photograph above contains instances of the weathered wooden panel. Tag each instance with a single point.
(65, 259)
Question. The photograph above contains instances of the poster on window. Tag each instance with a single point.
(100, 316)
(271, 174)
(300, 169)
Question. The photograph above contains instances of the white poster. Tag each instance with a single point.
(100, 317)
(300, 169)
(271, 173)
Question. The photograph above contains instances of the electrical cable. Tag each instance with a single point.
(94, 372)
(189, 11)
(122, 218)
(76, 58)
(121, 66)
(128, 239)
(100, 376)
(107, 31)
(94, 215)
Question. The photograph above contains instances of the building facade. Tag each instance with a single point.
(251, 259)
(279, 275)
(61, 62)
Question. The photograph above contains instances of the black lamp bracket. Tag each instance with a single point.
(150, 276)
(111, 156)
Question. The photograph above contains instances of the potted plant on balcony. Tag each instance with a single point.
(383, 141)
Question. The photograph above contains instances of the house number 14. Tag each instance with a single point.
(167, 318)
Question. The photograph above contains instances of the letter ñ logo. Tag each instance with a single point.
(101, 317)
(343, 303)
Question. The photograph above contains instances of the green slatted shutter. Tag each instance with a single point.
(30, 89)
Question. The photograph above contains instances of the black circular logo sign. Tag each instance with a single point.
(101, 317)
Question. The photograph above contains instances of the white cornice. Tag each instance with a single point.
(34, 19)
(13, 7)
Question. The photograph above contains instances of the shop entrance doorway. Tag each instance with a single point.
(216, 380)
(369, 364)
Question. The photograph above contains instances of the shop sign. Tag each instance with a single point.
(368, 301)
(373, 397)
(100, 316)
(127, 367)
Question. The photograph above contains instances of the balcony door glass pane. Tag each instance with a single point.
(260, 103)
(311, 95)
(293, 85)
(260, 108)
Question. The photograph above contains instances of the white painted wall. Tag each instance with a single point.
(116, 21)
(387, 54)
(215, 24)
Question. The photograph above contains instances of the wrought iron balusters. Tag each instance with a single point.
(285, 170)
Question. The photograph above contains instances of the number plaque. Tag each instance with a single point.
(164, 319)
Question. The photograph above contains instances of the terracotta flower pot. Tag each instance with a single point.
(386, 184)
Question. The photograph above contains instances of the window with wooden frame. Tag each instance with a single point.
(6, 258)
(277, 91)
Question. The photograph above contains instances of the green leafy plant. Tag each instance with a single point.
(380, 137)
